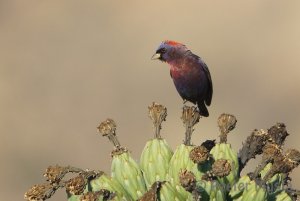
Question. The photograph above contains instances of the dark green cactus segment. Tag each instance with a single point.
(155, 160)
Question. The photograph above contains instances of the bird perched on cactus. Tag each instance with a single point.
(189, 73)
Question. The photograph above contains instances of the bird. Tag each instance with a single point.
(189, 72)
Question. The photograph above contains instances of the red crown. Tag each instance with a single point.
(172, 43)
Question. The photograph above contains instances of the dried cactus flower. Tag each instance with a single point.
(190, 117)
(221, 168)
(90, 196)
(101, 195)
(107, 127)
(54, 173)
(199, 154)
(76, 185)
(187, 180)
(157, 114)
(152, 194)
(38, 192)
(226, 123)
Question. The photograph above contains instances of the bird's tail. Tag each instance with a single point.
(202, 109)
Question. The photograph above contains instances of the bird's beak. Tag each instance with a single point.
(155, 56)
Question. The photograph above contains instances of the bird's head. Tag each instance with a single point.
(169, 51)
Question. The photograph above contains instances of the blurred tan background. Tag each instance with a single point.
(67, 65)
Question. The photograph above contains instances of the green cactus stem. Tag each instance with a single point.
(157, 153)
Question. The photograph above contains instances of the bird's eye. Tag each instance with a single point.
(163, 50)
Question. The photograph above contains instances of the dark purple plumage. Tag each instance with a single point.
(189, 73)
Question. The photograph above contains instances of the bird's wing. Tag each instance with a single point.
(210, 86)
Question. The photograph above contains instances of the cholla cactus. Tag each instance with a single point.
(209, 171)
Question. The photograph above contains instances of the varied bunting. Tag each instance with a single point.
(189, 73)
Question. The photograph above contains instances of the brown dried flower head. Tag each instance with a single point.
(90, 196)
(76, 185)
(190, 116)
(152, 193)
(187, 180)
(157, 113)
(107, 127)
(199, 154)
(54, 173)
(38, 192)
(95, 196)
(226, 123)
(221, 168)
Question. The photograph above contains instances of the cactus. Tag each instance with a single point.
(157, 154)
(208, 171)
